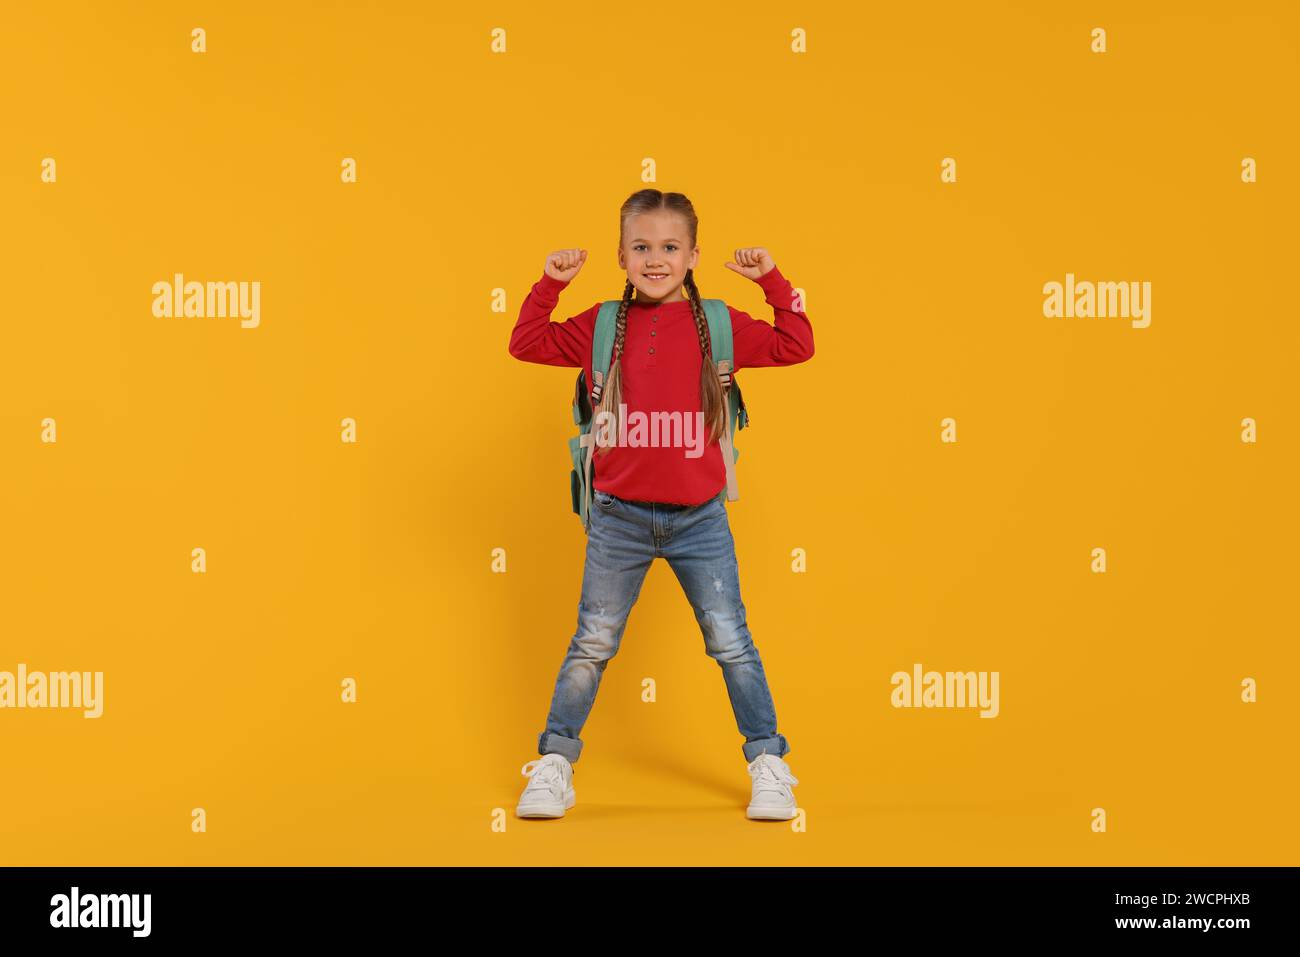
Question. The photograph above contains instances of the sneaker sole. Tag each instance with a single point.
(550, 809)
(771, 813)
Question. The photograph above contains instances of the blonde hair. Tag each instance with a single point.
(712, 399)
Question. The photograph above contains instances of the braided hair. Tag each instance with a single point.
(712, 400)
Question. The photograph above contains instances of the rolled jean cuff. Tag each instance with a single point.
(778, 746)
(548, 742)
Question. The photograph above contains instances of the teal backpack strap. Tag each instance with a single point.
(720, 334)
(602, 347)
(715, 310)
(720, 339)
(582, 446)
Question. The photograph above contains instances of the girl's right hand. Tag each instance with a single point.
(563, 264)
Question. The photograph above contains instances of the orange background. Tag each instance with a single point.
(373, 561)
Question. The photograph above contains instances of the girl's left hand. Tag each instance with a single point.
(752, 262)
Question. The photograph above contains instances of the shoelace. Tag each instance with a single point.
(544, 774)
(771, 775)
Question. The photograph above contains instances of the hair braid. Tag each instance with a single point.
(611, 396)
(710, 387)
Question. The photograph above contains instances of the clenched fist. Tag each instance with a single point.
(563, 264)
(752, 262)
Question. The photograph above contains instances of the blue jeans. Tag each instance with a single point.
(624, 538)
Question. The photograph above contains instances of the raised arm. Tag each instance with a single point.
(535, 338)
(758, 343)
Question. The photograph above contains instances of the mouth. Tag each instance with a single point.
(655, 276)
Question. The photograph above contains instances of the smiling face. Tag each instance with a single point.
(656, 253)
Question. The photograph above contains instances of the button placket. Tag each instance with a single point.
(650, 352)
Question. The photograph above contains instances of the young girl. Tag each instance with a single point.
(659, 500)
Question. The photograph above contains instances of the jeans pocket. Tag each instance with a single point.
(604, 500)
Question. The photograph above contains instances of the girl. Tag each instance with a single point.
(655, 499)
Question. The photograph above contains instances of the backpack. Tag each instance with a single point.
(582, 446)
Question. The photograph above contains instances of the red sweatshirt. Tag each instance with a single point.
(661, 373)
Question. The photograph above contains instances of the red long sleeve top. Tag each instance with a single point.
(661, 373)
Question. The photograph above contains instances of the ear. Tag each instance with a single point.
(695, 257)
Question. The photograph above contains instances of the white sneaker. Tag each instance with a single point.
(772, 799)
(549, 792)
